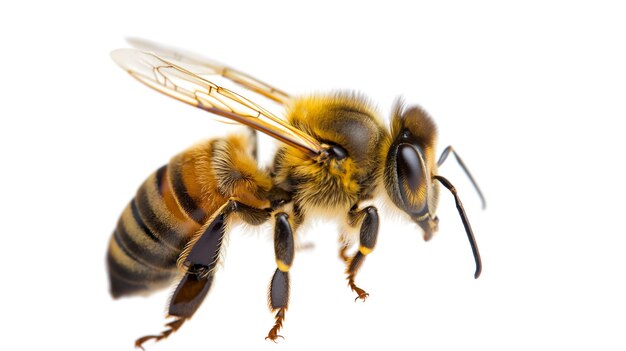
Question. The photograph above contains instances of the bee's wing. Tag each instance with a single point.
(188, 85)
(212, 67)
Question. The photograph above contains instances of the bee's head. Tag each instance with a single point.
(410, 166)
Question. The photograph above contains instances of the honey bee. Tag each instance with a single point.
(335, 155)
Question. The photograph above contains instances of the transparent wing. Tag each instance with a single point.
(187, 85)
(209, 66)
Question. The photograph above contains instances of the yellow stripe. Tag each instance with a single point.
(137, 233)
(184, 229)
(282, 266)
(170, 200)
(151, 252)
(133, 270)
(123, 260)
(365, 250)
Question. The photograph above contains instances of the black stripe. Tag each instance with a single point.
(167, 234)
(159, 178)
(126, 282)
(121, 283)
(128, 253)
(186, 201)
(159, 255)
(143, 273)
(142, 225)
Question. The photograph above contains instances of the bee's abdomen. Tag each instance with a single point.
(151, 234)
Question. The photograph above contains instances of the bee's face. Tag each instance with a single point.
(410, 166)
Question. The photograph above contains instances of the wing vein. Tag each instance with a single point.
(178, 80)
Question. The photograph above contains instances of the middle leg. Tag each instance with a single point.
(278, 296)
(367, 240)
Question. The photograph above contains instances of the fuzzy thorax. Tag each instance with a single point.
(331, 183)
(344, 121)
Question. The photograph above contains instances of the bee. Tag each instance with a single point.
(335, 155)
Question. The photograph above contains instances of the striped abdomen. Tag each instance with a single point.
(155, 226)
(173, 204)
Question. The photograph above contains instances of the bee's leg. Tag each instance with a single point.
(343, 251)
(367, 240)
(279, 286)
(200, 258)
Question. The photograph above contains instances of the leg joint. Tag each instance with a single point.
(371, 211)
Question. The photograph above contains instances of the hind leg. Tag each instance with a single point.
(199, 260)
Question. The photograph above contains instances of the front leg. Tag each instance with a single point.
(367, 240)
(279, 287)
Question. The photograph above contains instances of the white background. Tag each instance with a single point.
(531, 95)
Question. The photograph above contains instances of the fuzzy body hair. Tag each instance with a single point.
(219, 170)
(344, 119)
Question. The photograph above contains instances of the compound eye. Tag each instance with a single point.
(411, 178)
(409, 166)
